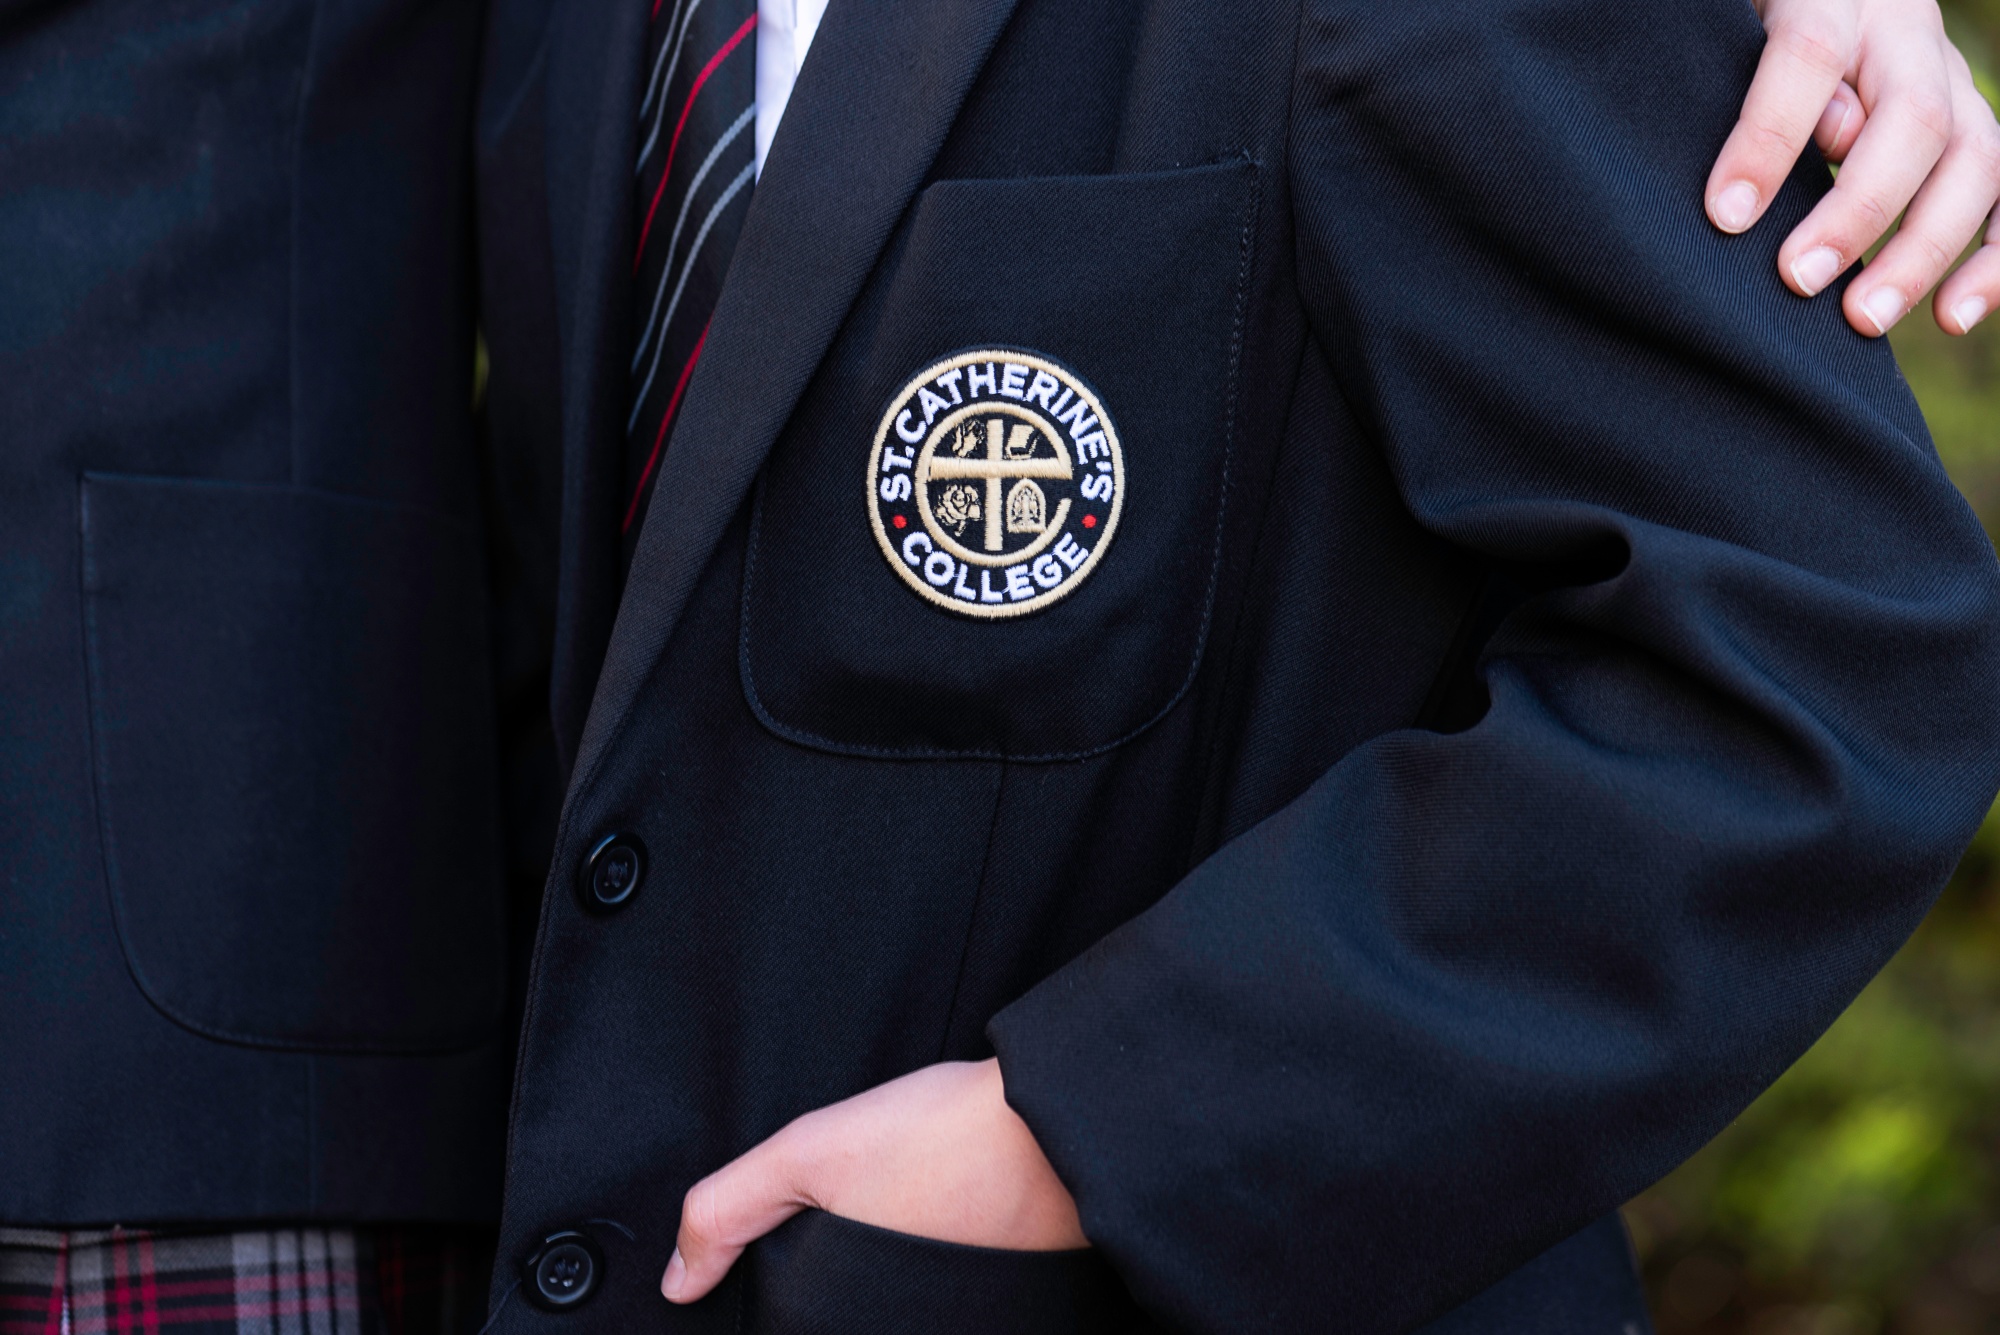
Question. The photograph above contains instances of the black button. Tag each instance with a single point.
(612, 873)
(564, 1272)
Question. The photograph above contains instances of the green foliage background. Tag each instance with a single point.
(1861, 1194)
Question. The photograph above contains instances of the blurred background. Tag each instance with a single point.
(1861, 1195)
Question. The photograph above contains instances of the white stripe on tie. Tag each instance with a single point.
(743, 178)
(660, 116)
(687, 202)
(661, 59)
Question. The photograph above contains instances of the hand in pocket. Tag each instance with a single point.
(936, 1154)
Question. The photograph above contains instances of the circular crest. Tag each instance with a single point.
(995, 483)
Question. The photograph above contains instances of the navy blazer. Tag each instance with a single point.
(252, 920)
(1540, 673)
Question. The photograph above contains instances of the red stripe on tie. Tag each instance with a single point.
(694, 92)
(680, 388)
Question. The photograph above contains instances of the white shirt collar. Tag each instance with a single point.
(785, 30)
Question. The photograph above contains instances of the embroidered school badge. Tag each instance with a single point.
(995, 483)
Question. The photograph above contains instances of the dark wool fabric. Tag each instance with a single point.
(1541, 673)
(252, 904)
(1542, 670)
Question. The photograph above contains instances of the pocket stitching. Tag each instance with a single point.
(805, 737)
(95, 690)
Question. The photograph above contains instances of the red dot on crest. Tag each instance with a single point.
(1090, 521)
(900, 522)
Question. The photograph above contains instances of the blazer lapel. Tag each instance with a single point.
(592, 107)
(880, 88)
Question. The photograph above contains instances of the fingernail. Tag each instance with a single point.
(676, 1277)
(1837, 110)
(1883, 307)
(1816, 268)
(1734, 206)
(1969, 313)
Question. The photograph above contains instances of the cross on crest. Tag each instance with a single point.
(1010, 454)
(995, 483)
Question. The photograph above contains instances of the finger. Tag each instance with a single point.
(1969, 295)
(1809, 51)
(1944, 218)
(1840, 124)
(1909, 126)
(726, 1212)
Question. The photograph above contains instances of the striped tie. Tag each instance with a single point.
(697, 160)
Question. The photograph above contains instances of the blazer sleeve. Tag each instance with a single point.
(1470, 992)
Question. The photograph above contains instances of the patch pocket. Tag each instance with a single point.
(992, 528)
(293, 725)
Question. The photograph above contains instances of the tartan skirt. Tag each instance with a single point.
(293, 1281)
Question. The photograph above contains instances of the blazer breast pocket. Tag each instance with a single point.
(992, 528)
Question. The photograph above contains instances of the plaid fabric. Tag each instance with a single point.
(298, 1281)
